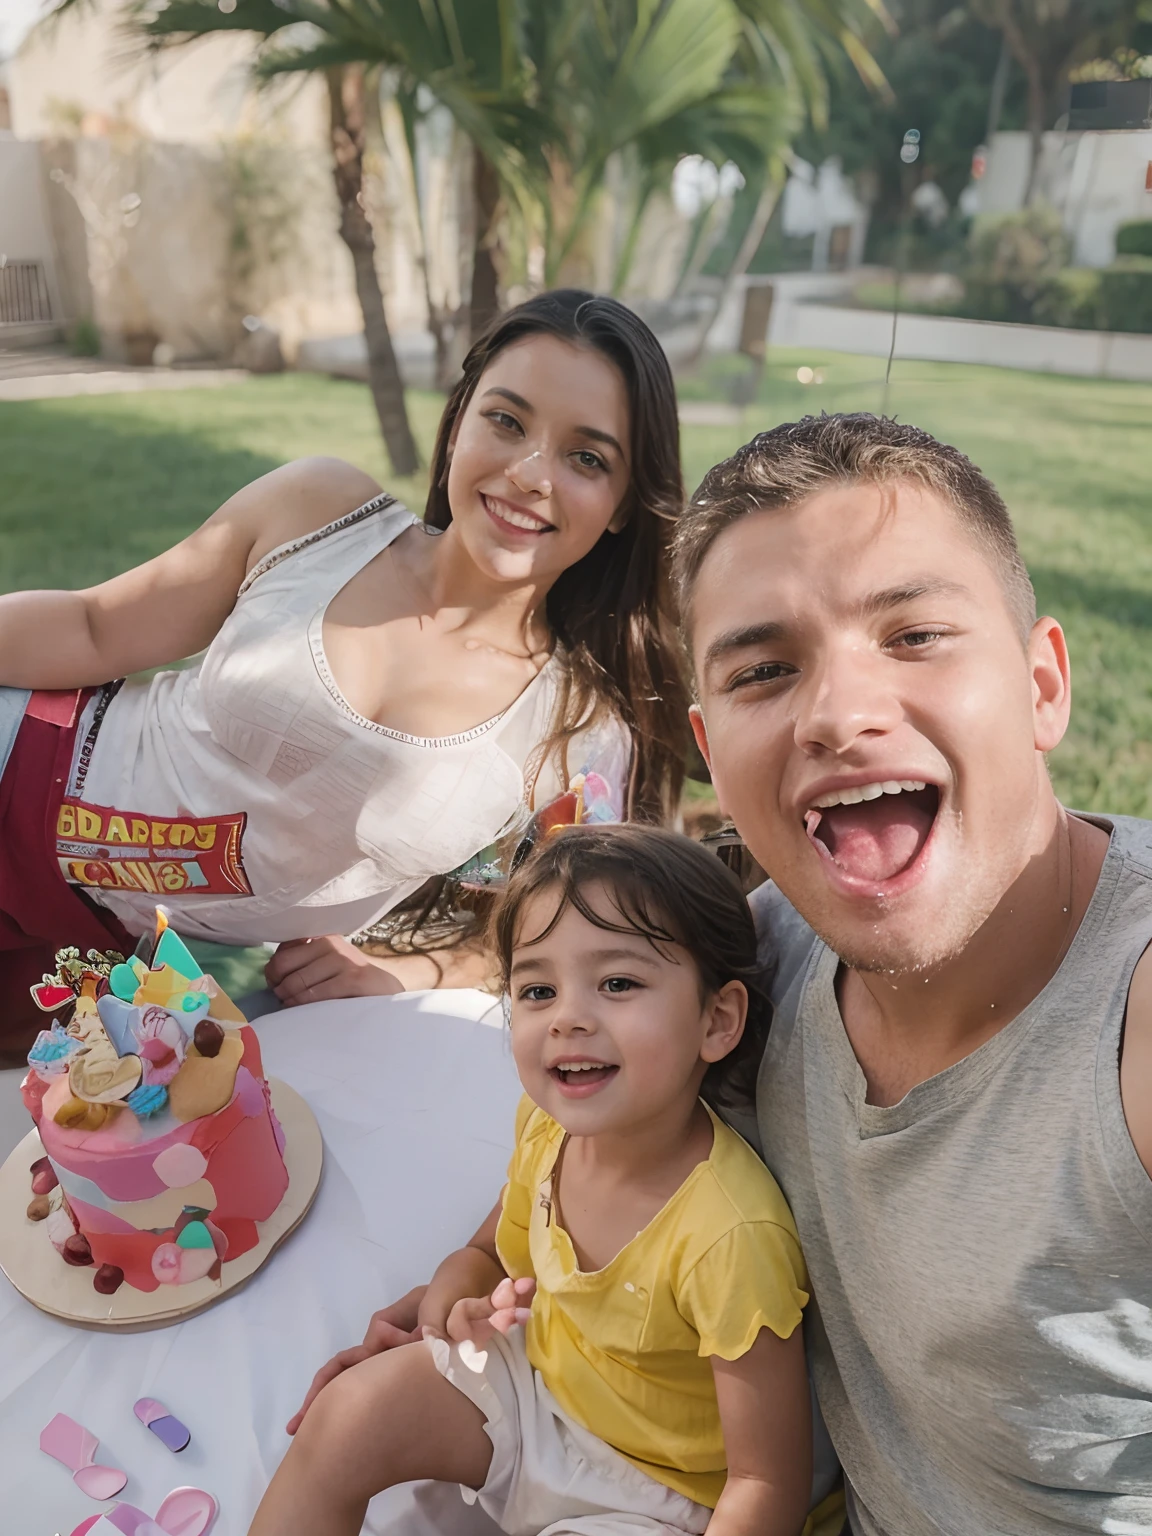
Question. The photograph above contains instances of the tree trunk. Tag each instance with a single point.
(484, 304)
(1037, 110)
(346, 110)
(1028, 58)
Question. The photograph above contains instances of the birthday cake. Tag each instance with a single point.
(162, 1149)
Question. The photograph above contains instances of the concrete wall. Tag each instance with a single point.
(1043, 349)
(182, 241)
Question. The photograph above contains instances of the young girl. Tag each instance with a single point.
(380, 697)
(619, 1347)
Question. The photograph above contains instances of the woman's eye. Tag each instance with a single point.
(503, 419)
(619, 984)
(589, 460)
(537, 994)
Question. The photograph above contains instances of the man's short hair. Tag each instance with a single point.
(799, 458)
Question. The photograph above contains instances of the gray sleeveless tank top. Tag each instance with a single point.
(980, 1253)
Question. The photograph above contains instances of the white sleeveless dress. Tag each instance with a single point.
(330, 819)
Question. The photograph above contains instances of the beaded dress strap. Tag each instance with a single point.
(379, 503)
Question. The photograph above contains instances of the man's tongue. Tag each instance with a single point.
(875, 839)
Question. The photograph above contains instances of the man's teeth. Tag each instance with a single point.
(521, 519)
(866, 792)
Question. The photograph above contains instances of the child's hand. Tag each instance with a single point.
(477, 1318)
(383, 1333)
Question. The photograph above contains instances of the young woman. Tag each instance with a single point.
(380, 698)
(618, 1348)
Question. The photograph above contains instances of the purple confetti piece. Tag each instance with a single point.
(164, 1425)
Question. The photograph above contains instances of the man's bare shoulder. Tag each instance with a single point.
(1136, 1060)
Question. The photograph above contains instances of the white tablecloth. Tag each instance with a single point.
(415, 1096)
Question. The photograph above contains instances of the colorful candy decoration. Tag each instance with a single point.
(148, 1099)
(164, 1425)
(52, 1050)
(594, 795)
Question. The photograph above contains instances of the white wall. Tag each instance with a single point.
(1036, 348)
(24, 230)
(196, 95)
(1096, 179)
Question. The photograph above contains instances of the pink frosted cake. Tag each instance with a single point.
(162, 1150)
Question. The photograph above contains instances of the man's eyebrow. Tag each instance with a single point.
(908, 592)
(595, 433)
(740, 639)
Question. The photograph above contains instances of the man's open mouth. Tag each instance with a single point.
(874, 832)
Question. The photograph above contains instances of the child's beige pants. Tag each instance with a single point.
(549, 1476)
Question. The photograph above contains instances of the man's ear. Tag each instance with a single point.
(729, 1013)
(700, 731)
(1051, 683)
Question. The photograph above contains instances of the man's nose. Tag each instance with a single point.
(846, 696)
(531, 473)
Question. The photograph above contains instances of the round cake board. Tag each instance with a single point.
(38, 1272)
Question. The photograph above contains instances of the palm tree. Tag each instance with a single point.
(469, 56)
(549, 91)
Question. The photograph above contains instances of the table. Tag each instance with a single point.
(415, 1096)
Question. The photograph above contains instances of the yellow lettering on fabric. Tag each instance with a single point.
(200, 857)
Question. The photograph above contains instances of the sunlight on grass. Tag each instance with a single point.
(93, 485)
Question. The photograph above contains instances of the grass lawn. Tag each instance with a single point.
(91, 485)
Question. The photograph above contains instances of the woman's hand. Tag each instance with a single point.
(389, 1328)
(477, 1318)
(317, 970)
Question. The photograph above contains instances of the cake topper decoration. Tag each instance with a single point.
(73, 978)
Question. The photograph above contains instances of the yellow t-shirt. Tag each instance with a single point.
(624, 1350)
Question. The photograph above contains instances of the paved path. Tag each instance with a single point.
(51, 373)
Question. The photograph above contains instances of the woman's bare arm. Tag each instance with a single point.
(172, 606)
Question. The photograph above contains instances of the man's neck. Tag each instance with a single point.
(905, 1029)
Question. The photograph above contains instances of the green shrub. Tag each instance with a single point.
(1134, 239)
(1071, 298)
(1012, 259)
(86, 338)
(1126, 294)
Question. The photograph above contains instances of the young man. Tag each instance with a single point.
(957, 1094)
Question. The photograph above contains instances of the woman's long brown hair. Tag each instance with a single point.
(610, 611)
